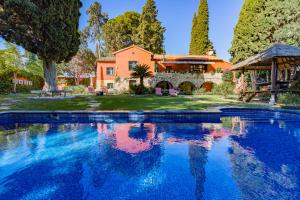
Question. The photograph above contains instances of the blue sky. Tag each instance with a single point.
(176, 16)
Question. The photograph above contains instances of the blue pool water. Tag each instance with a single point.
(236, 155)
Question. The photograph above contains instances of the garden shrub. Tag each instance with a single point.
(227, 76)
(138, 90)
(199, 91)
(289, 98)
(78, 89)
(295, 85)
(223, 89)
(6, 84)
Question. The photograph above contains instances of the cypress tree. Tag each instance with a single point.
(150, 32)
(46, 28)
(263, 23)
(200, 42)
(193, 35)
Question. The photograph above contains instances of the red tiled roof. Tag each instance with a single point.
(186, 57)
(107, 59)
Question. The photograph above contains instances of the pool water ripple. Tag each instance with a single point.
(251, 156)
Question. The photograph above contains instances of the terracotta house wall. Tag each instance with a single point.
(101, 75)
(186, 67)
(132, 54)
(219, 64)
(120, 63)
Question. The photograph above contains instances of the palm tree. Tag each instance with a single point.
(141, 72)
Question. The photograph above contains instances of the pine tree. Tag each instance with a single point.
(46, 28)
(263, 23)
(200, 43)
(150, 33)
(93, 31)
(118, 32)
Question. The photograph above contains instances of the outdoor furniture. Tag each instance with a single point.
(158, 92)
(281, 60)
(103, 91)
(63, 93)
(173, 92)
(91, 90)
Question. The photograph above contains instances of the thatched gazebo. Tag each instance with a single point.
(281, 60)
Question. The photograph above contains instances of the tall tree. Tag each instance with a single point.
(46, 28)
(150, 33)
(119, 32)
(12, 62)
(193, 35)
(200, 43)
(94, 29)
(263, 23)
(246, 40)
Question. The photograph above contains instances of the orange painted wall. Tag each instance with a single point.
(132, 54)
(220, 64)
(101, 70)
(121, 66)
(186, 67)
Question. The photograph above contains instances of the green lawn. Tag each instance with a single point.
(162, 103)
(78, 103)
(125, 102)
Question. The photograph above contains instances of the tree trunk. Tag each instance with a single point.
(15, 83)
(77, 79)
(50, 76)
(98, 49)
(142, 82)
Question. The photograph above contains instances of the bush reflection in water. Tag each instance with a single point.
(238, 158)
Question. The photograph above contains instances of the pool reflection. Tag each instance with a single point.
(239, 158)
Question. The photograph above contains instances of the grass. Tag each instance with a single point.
(160, 103)
(126, 102)
(78, 103)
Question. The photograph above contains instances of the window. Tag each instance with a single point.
(199, 68)
(110, 71)
(168, 69)
(132, 65)
(110, 85)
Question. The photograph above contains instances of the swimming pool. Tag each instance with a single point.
(234, 154)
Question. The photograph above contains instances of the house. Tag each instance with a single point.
(186, 72)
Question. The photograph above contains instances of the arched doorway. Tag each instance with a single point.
(208, 86)
(164, 85)
(186, 87)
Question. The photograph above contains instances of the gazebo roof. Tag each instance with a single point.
(287, 57)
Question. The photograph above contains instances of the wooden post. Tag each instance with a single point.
(253, 80)
(286, 74)
(274, 73)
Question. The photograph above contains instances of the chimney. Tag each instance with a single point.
(210, 52)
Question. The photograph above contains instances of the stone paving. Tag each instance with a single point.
(7, 103)
(93, 104)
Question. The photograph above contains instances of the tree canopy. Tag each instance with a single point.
(200, 43)
(263, 23)
(13, 64)
(119, 31)
(150, 32)
(82, 63)
(94, 29)
(46, 28)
